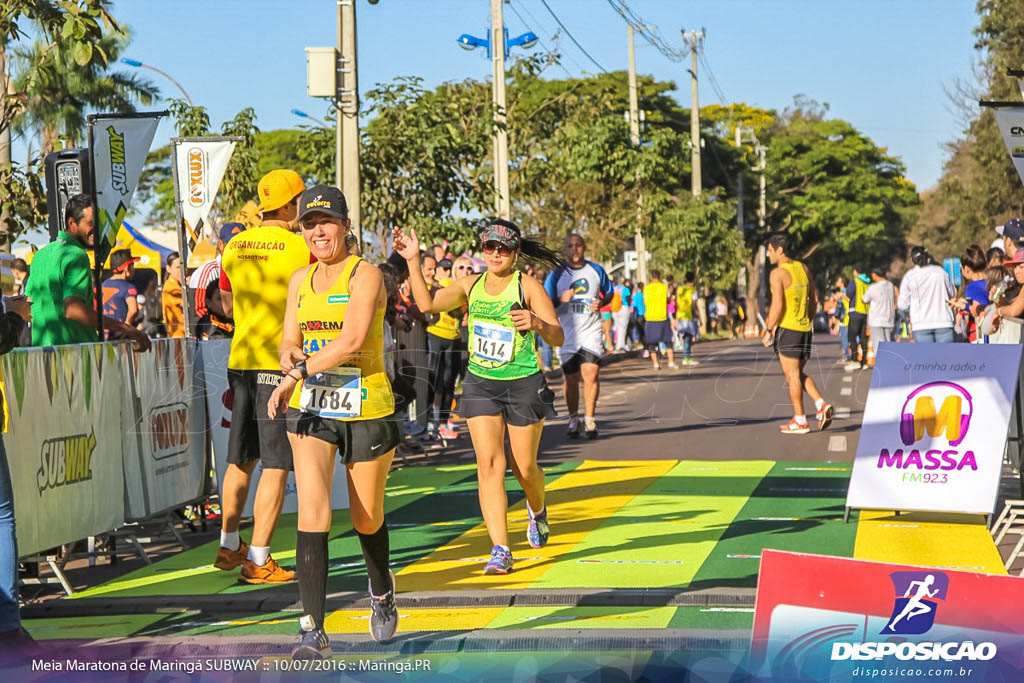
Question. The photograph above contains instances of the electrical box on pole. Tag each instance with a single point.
(322, 72)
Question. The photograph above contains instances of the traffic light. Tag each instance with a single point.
(67, 173)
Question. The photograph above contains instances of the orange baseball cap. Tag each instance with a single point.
(279, 187)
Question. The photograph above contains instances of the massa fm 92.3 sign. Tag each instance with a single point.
(935, 426)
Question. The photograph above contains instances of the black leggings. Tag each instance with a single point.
(445, 359)
(856, 334)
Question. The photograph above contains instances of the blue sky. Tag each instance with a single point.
(879, 64)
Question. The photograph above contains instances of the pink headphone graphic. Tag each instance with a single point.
(907, 419)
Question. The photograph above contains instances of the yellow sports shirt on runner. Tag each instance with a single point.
(357, 389)
(795, 317)
(256, 268)
(446, 327)
(656, 302)
(684, 302)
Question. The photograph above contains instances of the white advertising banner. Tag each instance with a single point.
(199, 166)
(64, 445)
(1011, 124)
(215, 354)
(168, 436)
(935, 426)
(118, 148)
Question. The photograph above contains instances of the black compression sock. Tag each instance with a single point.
(376, 548)
(311, 569)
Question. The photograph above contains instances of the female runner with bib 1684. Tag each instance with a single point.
(504, 387)
(339, 402)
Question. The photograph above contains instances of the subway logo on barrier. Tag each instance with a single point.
(65, 460)
(169, 430)
(118, 171)
(920, 418)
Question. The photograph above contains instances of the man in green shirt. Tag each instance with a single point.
(60, 289)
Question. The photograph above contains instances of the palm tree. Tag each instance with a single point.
(60, 91)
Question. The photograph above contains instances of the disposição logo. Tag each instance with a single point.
(916, 601)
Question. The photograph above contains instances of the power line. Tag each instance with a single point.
(539, 23)
(712, 79)
(573, 39)
(543, 44)
(648, 31)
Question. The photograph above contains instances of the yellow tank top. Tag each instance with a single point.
(860, 288)
(446, 327)
(358, 389)
(656, 301)
(684, 302)
(795, 299)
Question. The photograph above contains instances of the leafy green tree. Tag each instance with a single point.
(72, 26)
(979, 186)
(59, 91)
(845, 201)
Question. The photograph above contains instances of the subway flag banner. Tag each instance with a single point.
(935, 427)
(199, 166)
(118, 145)
(820, 618)
(1011, 125)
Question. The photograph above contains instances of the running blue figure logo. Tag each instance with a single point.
(913, 612)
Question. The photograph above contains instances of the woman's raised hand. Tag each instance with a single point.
(406, 244)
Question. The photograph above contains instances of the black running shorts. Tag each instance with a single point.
(524, 401)
(357, 440)
(793, 344)
(572, 365)
(253, 435)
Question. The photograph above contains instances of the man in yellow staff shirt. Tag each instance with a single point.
(657, 328)
(794, 303)
(255, 270)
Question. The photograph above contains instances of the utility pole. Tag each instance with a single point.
(502, 203)
(347, 154)
(634, 136)
(739, 186)
(695, 39)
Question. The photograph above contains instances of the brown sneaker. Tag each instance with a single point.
(230, 559)
(271, 572)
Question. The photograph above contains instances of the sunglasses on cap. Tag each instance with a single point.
(491, 247)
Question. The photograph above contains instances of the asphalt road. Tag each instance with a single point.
(727, 408)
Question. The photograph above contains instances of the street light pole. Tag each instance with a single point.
(303, 115)
(634, 137)
(502, 203)
(139, 65)
(348, 113)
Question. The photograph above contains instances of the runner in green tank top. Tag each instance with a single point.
(504, 388)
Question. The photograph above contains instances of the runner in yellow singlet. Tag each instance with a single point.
(504, 388)
(339, 403)
(794, 302)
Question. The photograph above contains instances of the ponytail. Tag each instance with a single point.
(541, 255)
(531, 249)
